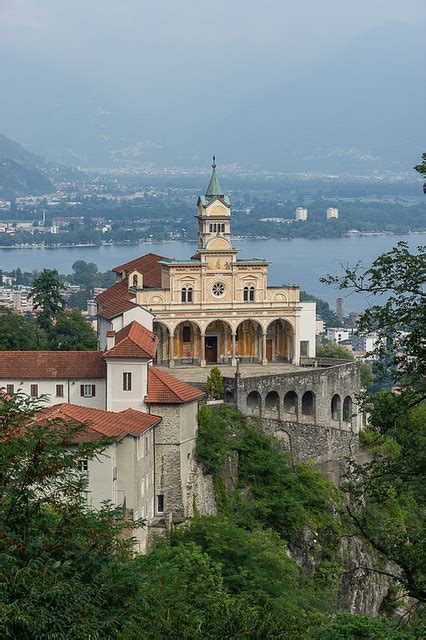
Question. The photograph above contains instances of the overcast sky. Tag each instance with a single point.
(246, 77)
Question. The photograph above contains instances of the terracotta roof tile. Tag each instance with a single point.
(165, 389)
(133, 341)
(150, 267)
(101, 423)
(52, 364)
(115, 300)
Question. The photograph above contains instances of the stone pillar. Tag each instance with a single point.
(264, 357)
(195, 339)
(234, 349)
(163, 347)
(171, 349)
(203, 349)
(225, 345)
(296, 344)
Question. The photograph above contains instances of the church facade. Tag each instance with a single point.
(214, 307)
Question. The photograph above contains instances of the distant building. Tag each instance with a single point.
(337, 334)
(319, 325)
(301, 213)
(339, 308)
(353, 318)
(332, 212)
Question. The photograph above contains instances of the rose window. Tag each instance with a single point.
(218, 289)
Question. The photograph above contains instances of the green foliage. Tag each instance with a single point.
(421, 168)
(345, 626)
(330, 349)
(46, 292)
(72, 332)
(19, 334)
(58, 557)
(213, 444)
(388, 493)
(214, 383)
(367, 376)
(399, 322)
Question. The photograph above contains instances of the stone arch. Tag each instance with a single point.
(229, 397)
(348, 409)
(280, 345)
(253, 403)
(186, 342)
(272, 404)
(218, 341)
(308, 404)
(336, 407)
(162, 331)
(290, 404)
(284, 439)
(249, 340)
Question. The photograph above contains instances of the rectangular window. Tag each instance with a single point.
(127, 381)
(34, 390)
(83, 466)
(160, 503)
(88, 390)
(10, 388)
(59, 390)
(304, 347)
(251, 294)
(186, 334)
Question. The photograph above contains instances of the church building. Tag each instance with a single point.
(213, 307)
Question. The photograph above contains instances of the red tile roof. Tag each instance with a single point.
(52, 364)
(150, 267)
(133, 341)
(165, 389)
(115, 300)
(100, 423)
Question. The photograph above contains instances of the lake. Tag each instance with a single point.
(300, 260)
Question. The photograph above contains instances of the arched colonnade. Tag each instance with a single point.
(221, 341)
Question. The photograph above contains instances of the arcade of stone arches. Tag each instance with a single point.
(219, 342)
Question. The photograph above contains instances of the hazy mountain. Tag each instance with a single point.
(17, 180)
(357, 107)
(25, 173)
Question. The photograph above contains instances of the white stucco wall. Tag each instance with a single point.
(101, 485)
(307, 326)
(71, 390)
(119, 400)
(141, 315)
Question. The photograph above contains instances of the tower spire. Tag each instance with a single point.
(214, 189)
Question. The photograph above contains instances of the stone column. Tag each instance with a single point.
(264, 357)
(195, 339)
(163, 347)
(171, 349)
(225, 345)
(203, 349)
(296, 343)
(234, 349)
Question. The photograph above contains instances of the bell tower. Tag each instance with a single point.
(214, 218)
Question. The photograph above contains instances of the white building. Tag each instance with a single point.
(149, 470)
(301, 213)
(332, 212)
(338, 334)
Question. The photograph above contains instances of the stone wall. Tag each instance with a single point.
(312, 411)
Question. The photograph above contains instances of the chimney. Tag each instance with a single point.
(110, 336)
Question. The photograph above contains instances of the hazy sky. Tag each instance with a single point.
(256, 80)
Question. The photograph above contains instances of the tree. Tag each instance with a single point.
(398, 277)
(71, 332)
(60, 560)
(46, 292)
(330, 349)
(214, 383)
(85, 273)
(421, 168)
(20, 334)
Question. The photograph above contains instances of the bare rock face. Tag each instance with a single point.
(303, 548)
(361, 590)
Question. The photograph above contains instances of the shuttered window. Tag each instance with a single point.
(87, 390)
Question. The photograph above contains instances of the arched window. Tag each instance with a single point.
(223, 228)
(347, 409)
(210, 227)
(335, 407)
(189, 295)
(290, 402)
(248, 294)
(183, 295)
(308, 404)
(135, 280)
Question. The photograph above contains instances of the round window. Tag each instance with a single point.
(218, 289)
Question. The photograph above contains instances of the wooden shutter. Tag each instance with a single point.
(93, 390)
(82, 390)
